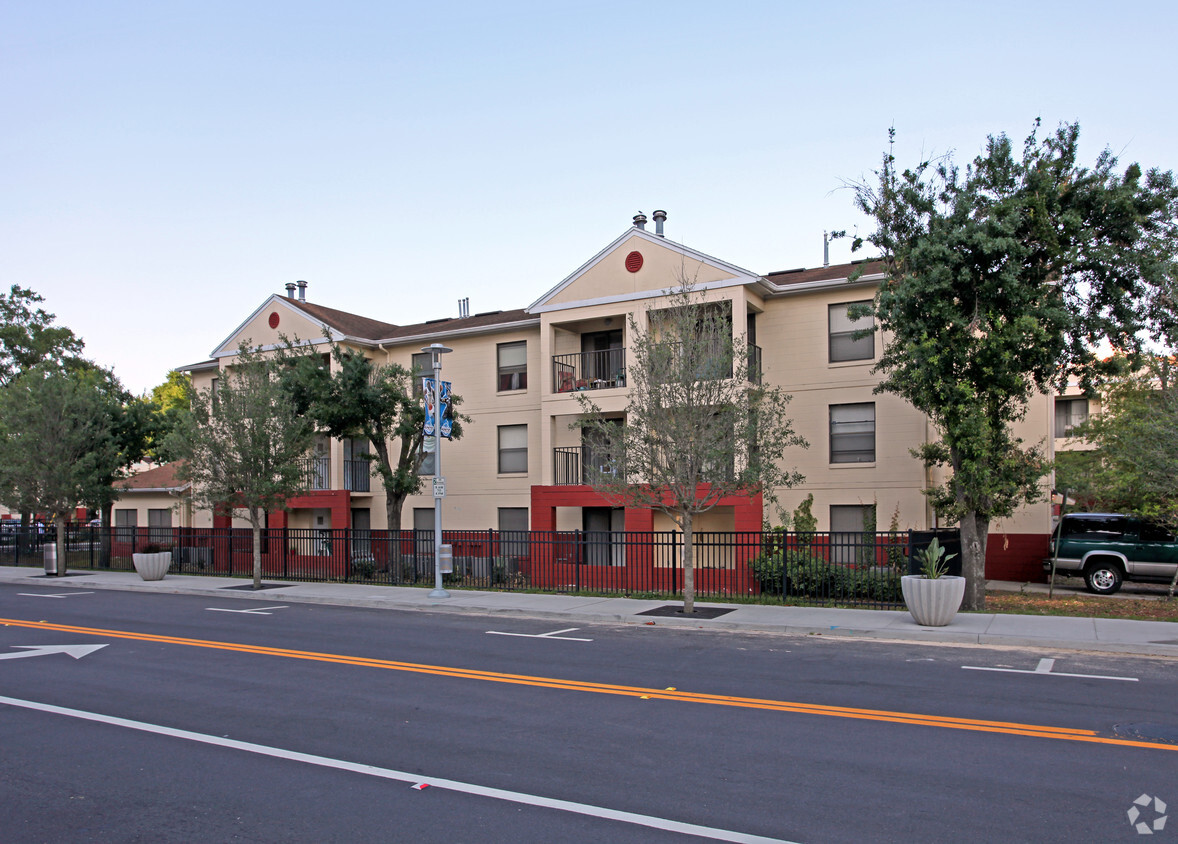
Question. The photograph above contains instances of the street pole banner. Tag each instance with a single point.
(445, 422)
(437, 409)
(427, 389)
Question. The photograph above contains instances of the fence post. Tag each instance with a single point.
(580, 550)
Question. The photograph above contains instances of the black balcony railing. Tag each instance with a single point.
(575, 464)
(317, 472)
(589, 371)
(357, 474)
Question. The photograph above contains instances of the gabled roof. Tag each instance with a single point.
(732, 273)
(160, 479)
(350, 325)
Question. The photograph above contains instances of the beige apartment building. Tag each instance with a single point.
(519, 464)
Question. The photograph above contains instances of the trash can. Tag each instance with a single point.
(446, 559)
(50, 555)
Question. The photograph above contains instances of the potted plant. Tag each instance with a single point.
(933, 597)
(152, 562)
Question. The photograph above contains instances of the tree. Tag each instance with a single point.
(1134, 466)
(169, 401)
(242, 446)
(57, 446)
(1001, 279)
(699, 425)
(365, 401)
(28, 336)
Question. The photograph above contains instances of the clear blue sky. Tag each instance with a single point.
(168, 165)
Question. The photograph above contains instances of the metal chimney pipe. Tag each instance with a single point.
(302, 290)
(825, 249)
(290, 289)
(659, 218)
(640, 221)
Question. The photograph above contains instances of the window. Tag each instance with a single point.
(159, 527)
(843, 344)
(852, 433)
(513, 531)
(125, 523)
(423, 366)
(849, 541)
(513, 366)
(513, 449)
(426, 469)
(1068, 414)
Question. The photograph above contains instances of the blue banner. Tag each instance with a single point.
(436, 410)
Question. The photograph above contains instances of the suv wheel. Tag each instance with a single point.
(1103, 578)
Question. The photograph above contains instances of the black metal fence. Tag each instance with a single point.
(820, 568)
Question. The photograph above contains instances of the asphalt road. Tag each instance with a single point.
(199, 721)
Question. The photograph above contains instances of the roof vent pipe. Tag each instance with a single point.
(659, 218)
(464, 308)
(825, 249)
(290, 289)
(640, 221)
(302, 290)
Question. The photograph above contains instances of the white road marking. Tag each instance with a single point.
(76, 651)
(253, 611)
(402, 776)
(1044, 667)
(44, 595)
(555, 634)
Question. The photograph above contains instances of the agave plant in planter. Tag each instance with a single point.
(933, 597)
(152, 562)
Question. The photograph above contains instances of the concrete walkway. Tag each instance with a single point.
(1151, 638)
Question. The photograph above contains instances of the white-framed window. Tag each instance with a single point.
(512, 366)
(849, 542)
(852, 433)
(126, 522)
(1068, 414)
(844, 346)
(159, 526)
(422, 364)
(513, 449)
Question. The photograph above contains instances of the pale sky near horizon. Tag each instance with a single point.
(166, 166)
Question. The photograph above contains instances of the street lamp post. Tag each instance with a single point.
(436, 351)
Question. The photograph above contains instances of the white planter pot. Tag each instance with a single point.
(152, 566)
(933, 603)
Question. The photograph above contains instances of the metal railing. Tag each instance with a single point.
(822, 568)
(357, 475)
(316, 472)
(589, 371)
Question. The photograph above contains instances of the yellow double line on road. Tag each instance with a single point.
(973, 724)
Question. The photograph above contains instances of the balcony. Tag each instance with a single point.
(589, 371)
(754, 372)
(316, 472)
(571, 465)
(357, 474)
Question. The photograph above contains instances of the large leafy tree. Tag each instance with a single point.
(58, 443)
(365, 401)
(28, 336)
(699, 425)
(1001, 280)
(168, 401)
(243, 445)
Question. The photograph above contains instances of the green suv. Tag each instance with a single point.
(1109, 548)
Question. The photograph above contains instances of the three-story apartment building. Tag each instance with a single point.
(520, 463)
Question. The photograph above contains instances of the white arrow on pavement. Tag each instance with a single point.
(76, 651)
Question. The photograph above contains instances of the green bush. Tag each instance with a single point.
(810, 576)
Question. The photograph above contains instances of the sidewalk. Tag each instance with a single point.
(1150, 638)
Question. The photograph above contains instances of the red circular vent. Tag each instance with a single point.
(274, 319)
(634, 261)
